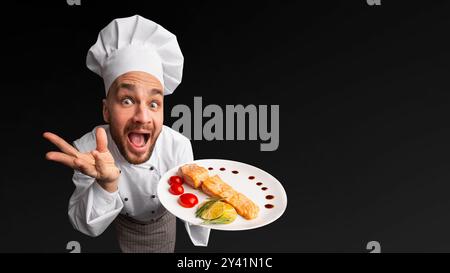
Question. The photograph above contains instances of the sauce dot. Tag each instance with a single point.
(259, 183)
(268, 206)
(235, 172)
(210, 168)
(251, 177)
(268, 197)
(222, 169)
(264, 188)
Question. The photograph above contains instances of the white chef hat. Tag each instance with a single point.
(136, 44)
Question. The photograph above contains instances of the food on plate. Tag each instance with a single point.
(244, 206)
(188, 200)
(211, 209)
(175, 179)
(214, 186)
(215, 211)
(176, 189)
(193, 174)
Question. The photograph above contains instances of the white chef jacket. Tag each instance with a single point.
(92, 209)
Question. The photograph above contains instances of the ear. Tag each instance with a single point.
(105, 111)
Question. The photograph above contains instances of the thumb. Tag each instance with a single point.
(101, 139)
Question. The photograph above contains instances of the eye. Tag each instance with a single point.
(153, 105)
(127, 101)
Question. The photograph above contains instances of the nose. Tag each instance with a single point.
(142, 114)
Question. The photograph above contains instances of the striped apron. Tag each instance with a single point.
(157, 236)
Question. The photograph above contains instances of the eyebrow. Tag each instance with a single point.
(132, 87)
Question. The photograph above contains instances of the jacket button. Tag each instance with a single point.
(153, 196)
(126, 199)
(152, 168)
(153, 211)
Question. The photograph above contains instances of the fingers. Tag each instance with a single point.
(75, 163)
(61, 158)
(85, 163)
(102, 140)
(61, 144)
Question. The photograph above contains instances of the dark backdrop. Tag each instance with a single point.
(364, 105)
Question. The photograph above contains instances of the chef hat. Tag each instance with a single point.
(136, 44)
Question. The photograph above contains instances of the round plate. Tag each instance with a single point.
(253, 182)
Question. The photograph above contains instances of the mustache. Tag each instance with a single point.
(132, 127)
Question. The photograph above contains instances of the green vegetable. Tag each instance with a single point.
(206, 205)
(227, 214)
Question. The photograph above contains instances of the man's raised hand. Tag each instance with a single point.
(98, 163)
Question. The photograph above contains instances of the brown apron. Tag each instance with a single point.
(157, 236)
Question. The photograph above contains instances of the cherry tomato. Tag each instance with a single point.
(188, 200)
(175, 179)
(176, 189)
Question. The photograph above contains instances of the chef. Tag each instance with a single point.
(117, 166)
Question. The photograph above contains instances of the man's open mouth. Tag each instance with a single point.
(138, 139)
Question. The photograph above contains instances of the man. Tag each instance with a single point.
(117, 166)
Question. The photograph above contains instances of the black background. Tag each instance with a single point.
(363, 94)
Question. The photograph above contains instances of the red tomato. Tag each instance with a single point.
(188, 200)
(176, 189)
(175, 179)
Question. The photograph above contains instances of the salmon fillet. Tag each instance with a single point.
(216, 187)
(193, 174)
(243, 205)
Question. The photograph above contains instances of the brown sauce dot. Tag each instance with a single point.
(264, 188)
(222, 169)
(268, 206)
(268, 197)
(251, 177)
(235, 172)
(259, 183)
(210, 168)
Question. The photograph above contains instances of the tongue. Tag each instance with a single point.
(137, 139)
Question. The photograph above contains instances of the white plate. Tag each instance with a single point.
(241, 182)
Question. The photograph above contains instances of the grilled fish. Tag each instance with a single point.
(194, 174)
(215, 186)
